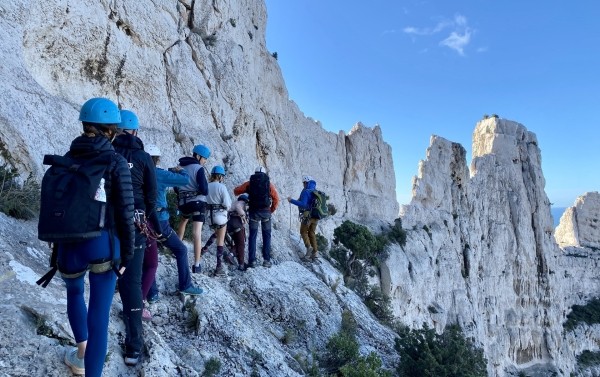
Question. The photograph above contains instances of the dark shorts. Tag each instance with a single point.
(195, 210)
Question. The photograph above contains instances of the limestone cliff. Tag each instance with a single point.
(481, 252)
(195, 72)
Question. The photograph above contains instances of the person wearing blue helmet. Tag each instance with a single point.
(308, 221)
(191, 201)
(218, 202)
(165, 179)
(143, 177)
(100, 117)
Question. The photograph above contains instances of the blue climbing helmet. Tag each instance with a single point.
(129, 121)
(244, 197)
(100, 111)
(202, 151)
(218, 170)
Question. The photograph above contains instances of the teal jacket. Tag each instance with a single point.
(164, 180)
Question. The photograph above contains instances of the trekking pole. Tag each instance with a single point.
(290, 216)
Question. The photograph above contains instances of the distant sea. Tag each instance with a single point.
(557, 213)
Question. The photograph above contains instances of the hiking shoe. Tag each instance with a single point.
(250, 264)
(230, 259)
(241, 267)
(153, 299)
(267, 264)
(132, 359)
(76, 364)
(192, 291)
(197, 270)
(220, 271)
(146, 315)
(306, 257)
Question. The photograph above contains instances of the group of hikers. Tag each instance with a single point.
(112, 228)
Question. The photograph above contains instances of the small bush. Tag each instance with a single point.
(396, 234)
(588, 359)
(424, 353)
(288, 337)
(18, 201)
(212, 367)
(588, 313)
(322, 243)
(342, 355)
(274, 55)
(379, 304)
(341, 349)
(359, 241)
(369, 366)
(349, 324)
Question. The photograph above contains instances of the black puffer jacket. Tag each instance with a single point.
(119, 193)
(143, 175)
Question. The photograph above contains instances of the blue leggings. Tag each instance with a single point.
(89, 324)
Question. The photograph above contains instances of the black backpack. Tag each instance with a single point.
(259, 191)
(319, 208)
(73, 197)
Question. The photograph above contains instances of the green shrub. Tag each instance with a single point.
(379, 304)
(342, 357)
(588, 359)
(341, 349)
(175, 219)
(211, 367)
(588, 313)
(361, 243)
(322, 243)
(369, 366)
(424, 353)
(396, 234)
(349, 324)
(18, 201)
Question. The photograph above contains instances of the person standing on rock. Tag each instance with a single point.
(164, 179)
(218, 202)
(263, 201)
(236, 227)
(192, 199)
(308, 220)
(100, 118)
(143, 178)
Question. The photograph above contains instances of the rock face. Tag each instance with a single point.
(480, 250)
(194, 72)
(481, 253)
(579, 224)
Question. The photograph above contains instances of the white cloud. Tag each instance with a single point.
(457, 41)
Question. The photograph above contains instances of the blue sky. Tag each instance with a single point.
(419, 68)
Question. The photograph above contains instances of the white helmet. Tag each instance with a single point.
(260, 169)
(153, 150)
(306, 178)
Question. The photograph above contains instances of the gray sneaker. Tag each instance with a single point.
(220, 271)
(192, 291)
(267, 264)
(76, 364)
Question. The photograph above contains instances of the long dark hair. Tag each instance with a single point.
(97, 129)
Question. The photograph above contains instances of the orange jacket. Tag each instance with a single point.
(272, 191)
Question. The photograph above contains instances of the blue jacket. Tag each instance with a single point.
(165, 179)
(305, 201)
